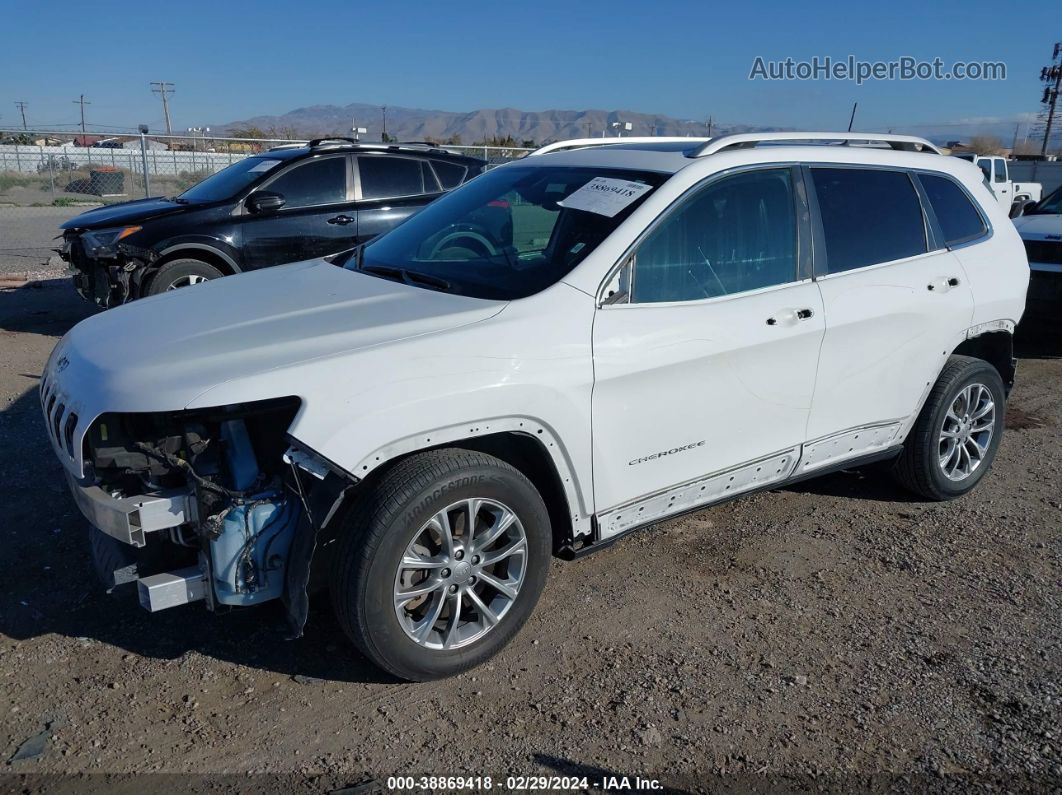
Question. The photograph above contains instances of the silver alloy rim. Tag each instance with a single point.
(966, 433)
(187, 281)
(460, 574)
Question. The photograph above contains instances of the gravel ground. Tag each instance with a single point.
(836, 635)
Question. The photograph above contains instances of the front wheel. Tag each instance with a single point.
(441, 563)
(954, 441)
(182, 273)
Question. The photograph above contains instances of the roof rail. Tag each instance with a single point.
(582, 143)
(906, 143)
(318, 141)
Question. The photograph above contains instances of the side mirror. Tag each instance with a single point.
(264, 201)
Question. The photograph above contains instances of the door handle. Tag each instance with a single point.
(342, 220)
(943, 285)
(789, 317)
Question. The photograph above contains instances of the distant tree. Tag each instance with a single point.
(528, 143)
(986, 145)
(453, 140)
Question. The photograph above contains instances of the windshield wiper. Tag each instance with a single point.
(407, 277)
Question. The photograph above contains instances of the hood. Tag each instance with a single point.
(160, 353)
(1040, 227)
(123, 213)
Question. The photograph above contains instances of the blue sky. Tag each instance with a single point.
(231, 60)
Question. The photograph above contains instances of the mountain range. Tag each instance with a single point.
(417, 124)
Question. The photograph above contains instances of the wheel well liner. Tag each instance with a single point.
(529, 455)
(994, 347)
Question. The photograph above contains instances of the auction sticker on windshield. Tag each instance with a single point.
(605, 195)
(264, 165)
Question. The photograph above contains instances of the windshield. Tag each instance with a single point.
(511, 232)
(1049, 205)
(231, 180)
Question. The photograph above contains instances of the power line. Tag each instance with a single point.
(162, 88)
(21, 104)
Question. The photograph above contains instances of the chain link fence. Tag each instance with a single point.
(47, 177)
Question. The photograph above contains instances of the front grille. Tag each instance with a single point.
(59, 421)
(1045, 251)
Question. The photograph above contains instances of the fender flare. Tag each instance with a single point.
(192, 246)
(579, 508)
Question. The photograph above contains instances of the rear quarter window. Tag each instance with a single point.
(959, 219)
(450, 174)
(869, 216)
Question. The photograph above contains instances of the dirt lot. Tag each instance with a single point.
(835, 635)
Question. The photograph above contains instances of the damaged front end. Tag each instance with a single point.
(203, 505)
(108, 270)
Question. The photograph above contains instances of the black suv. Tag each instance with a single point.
(284, 205)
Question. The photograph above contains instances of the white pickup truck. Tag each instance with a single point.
(1012, 196)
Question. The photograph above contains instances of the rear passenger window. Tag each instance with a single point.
(959, 220)
(737, 234)
(868, 216)
(390, 177)
(450, 174)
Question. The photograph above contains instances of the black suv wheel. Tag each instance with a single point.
(182, 273)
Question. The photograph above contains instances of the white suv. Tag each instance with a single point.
(568, 348)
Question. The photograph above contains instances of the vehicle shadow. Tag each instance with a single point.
(50, 586)
(1038, 339)
(49, 307)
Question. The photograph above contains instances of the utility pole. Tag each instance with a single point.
(21, 104)
(708, 126)
(851, 119)
(82, 102)
(1051, 75)
(163, 89)
(383, 135)
(1014, 143)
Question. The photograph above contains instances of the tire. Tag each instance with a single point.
(181, 273)
(397, 520)
(110, 557)
(920, 466)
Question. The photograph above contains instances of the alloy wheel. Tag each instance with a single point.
(966, 432)
(460, 574)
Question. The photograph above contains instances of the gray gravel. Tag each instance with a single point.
(836, 635)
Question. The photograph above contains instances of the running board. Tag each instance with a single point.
(775, 468)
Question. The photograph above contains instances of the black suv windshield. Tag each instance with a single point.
(508, 233)
(1049, 205)
(230, 180)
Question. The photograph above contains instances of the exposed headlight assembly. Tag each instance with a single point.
(100, 238)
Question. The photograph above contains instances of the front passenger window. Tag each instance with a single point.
(320, 181)
(735, 235)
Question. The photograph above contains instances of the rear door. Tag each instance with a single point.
(318, 216)
(390, 188)
(896, 303)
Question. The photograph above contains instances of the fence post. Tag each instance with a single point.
(143, 160)
(18, 160)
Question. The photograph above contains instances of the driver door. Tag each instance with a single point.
(705, 356)
(318, 217)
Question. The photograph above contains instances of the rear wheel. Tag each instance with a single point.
(182, 273)
(954, 441)
(441, 563)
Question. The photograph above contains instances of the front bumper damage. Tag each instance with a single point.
(106, 275)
